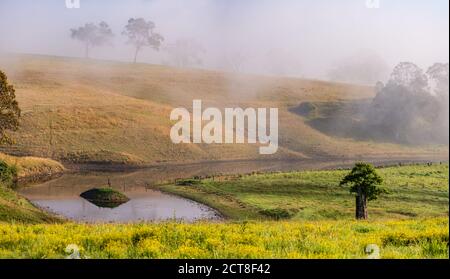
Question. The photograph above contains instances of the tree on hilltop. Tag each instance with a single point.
(141, 33)
(92, 35)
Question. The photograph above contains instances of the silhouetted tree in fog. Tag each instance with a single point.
(234, 61)
(141, 33)
(93, 35)
(410, 76)
(185, 53)
(405, 110)
(438, 74)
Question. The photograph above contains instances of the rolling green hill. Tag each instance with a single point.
(87, 111)
(15, 208)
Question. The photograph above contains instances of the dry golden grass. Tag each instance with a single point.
(32, 166)
(107, 112)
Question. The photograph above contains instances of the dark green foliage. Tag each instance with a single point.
(365, 182)
(9, 109)
(277, 213)
(8, 174)
(188, 182)
(364, 179)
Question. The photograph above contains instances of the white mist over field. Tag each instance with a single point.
(314, 39)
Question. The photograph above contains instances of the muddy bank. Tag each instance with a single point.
(39, 178)
(206, 168)
(258, 165)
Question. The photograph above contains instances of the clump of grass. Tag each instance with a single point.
(278, 213)
(188, 182)
(105, 197)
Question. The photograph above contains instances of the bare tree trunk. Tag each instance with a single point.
(50, 140)
(361, 206)
(86, 51)
(136, 54)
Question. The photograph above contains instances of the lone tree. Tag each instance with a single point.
(366, 184)
(141, 33)
(9, 110)
(93, 35)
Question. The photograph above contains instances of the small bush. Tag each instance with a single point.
(278, 213)
(362, 229)
(188, 182)
(8, 174)
(306, 109)
(405, 239)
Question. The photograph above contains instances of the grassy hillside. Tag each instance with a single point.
(325, 239)
(16, 209)
(419, 191)
(33, 167)
(13, 207)
(107, 112)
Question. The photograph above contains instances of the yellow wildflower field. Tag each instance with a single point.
(427, 238)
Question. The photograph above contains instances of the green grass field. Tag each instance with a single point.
(417, 191)
(411, 222)
(16, 209)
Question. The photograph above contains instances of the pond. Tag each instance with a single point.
(144, 205)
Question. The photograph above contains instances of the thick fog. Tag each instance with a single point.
(313, 39)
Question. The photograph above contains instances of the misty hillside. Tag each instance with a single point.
(108, 112)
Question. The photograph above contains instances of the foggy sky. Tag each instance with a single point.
(287, 37)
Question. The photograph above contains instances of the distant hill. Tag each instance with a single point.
(89, 111)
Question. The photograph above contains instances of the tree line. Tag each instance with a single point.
(413, 106)
(141, 34)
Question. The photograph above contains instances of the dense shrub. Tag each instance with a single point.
(188, 182)
(278, 213)
(8, 174)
